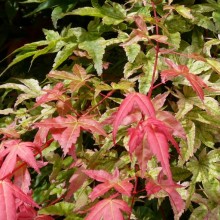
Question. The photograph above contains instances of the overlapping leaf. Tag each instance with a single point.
(8, 194)
(131, 102)
(109, 181)
(177, 203)
(182, 70)
(108, 209)
(15, 149)
(66, 130)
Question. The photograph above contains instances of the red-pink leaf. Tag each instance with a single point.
(66, 130)
(132, 101)
(14, 149)
(76, 181)
(51, 94)
(159, 146)
(109, 181)
(169, 187)
(108, 209)
(8, 194)
(171, 122)
(143, 154)
(100, 190)
(177, 70)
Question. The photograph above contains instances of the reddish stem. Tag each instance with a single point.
(157, 52)
(100, 102)
(134, 194)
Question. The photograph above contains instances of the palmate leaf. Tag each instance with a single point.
(8, 195)
(149, 138)
(182, 70)
(177, 203)
(14, 149)
(108, 209)
(132, 101)
(66, 130)
(108, 181)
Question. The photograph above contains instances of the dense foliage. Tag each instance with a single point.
(126, 124)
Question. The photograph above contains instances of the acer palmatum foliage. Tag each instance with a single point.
(182, 70)
(67, 129)
(108, 182)
(109, 209)
(150, 136)
(169, 187)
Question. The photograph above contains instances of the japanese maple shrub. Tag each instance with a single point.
(126, 124)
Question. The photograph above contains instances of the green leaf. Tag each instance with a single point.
(132, 51)
(209, 44)
(86, 11)
(174, 39)
(189, 146)
(184, 11)
(96, 50)
(63, 54)
(206, 166)
(180, 174)
(216, 19)
(175, 23)
(61, 208)
(214, 64)
(199, 213)
(212, 189)
(203, 21)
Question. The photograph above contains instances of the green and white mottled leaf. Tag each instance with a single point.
(184, 11)
(63, 54)
(132, 51)
(206, 166)
(215, 64)
(96, 50)
(61, 208)
(208, 45)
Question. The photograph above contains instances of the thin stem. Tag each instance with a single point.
(100, 102)
(157, 52)
(134, 194)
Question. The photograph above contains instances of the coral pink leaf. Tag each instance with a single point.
(176, 70)
(100, 190)
(172, 123)
(99, 175)
(51, 94)
(89, 124)
(159, 146)
(177, 203)
(14, 149)
(124, 187)
(143, 154)
(135, 138)
(66, 130)
(8, 194)
(128, 104)
(109, 181)
(108, 209)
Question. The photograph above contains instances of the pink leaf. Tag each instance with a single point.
(51, 94)
(108, 181)
(177, 203)
(182, 70)
(15, 149)
(8, 194)
(108, 209)
(67, 129)
(132, 101)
